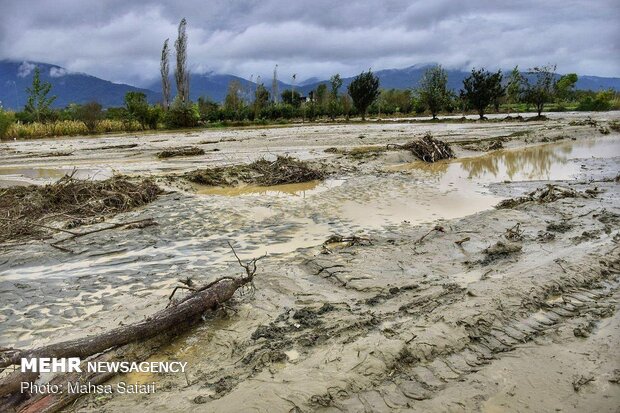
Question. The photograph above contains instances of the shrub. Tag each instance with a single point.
(6, 120)
(90, 114)
(601, 102)
(182, 114)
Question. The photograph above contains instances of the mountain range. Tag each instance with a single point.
(71, 87)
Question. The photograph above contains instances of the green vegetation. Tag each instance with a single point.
(482, 91)
(90, 114)
(364, 90)
(482, 88)
(39, 103)
(6, 120)
(433, 91)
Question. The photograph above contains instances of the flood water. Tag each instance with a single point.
(194, 229)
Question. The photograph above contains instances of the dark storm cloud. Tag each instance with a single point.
(121, 40)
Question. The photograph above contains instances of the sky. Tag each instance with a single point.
(121, 40)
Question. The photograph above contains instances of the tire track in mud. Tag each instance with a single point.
(411, 380)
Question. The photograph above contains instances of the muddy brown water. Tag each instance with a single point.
(194, 228)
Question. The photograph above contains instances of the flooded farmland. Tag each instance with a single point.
(417, 317)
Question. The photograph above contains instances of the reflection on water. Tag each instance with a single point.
(544, 162)
(298, 189)
(290, 189)
(15, 176)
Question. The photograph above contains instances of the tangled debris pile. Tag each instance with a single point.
(284, 170)
(428, 149)
(546, 194)
(27, 209)
(174, 152)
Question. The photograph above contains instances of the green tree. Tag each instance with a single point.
(345, 104)
(539, 90)
(233, 103)
(181, 73)
(322, 97)
(164, 69)
(334, 105)
(482, 88)
(6, 120)
(90, 114)
(433, 90)
(396, 101)
(514, 86)
(335, 82)
(565, 86)
(208, 109)
(364, 90)
(291, 97)
(39, 103)
(181, 114)
(261, 99)
(137, 108)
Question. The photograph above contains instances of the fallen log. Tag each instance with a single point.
(208, 297)
(163, 320)
(54, 402)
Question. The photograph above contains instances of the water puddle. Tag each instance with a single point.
(192, 237)
(10, 176)
(554, 161)
(297, 189)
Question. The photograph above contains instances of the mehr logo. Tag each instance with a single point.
(51, 365)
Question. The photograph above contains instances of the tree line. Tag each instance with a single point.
(481, 91)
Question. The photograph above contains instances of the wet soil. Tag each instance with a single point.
(411, 321)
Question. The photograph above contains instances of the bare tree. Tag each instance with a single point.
(165, 74)
(181, 73)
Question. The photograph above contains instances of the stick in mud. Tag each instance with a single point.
(177, 317)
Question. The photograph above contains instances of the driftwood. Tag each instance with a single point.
(546, 194)
(176, 317)
(174, 152)
(427, 149)
(191, 307)
(436, 228)
(141, 223)
(53, 402)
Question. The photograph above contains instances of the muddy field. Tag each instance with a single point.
(446, 304)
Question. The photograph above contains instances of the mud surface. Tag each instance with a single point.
(473, 317)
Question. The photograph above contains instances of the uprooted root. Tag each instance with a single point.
(174, 152)
(284, 170)
(549, 193)
(428, 149)
(28, 210)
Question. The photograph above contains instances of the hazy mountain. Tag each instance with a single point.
(409, 77)
(68, 87)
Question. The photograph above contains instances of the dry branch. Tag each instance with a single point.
(427, 149)
(174, 152)
(26, 210)
(191, 307)
(284, 170)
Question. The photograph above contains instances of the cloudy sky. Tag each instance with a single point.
(121, 40)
